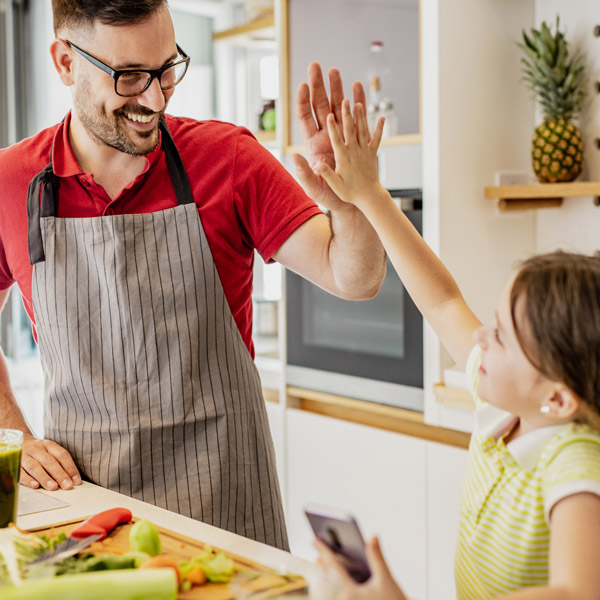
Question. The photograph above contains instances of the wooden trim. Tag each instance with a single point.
(284, 85)
(271, 395)
(454, 397)
(379, 416)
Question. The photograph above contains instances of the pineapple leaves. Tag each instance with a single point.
(556, 79)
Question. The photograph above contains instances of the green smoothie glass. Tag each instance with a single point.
(11, 445)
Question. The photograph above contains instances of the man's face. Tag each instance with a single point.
(126, 124)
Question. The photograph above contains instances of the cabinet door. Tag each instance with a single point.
(376, 475)
(445, 471)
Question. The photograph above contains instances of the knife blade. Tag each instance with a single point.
(94, 529)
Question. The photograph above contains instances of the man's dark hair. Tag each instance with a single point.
(83, 13)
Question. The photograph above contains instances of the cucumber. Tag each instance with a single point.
(126, 584)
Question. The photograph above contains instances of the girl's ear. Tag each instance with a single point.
(561, 404)
(62, 57)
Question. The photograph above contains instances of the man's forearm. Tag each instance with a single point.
(11, 416)
(356, 255)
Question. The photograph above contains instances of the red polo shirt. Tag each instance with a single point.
(245, 198)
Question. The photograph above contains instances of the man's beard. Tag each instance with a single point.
(109, 129)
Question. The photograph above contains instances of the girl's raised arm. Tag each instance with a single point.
(429, 283)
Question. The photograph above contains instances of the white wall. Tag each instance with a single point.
(575, 225)
(476, 121)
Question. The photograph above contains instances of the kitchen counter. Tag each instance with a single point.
(88, 499)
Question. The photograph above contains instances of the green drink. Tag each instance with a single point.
(11, 444)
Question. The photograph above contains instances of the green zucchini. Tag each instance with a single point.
(126, 584)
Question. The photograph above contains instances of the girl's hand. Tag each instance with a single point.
(355, 179)
(312, 108)
(381, 585)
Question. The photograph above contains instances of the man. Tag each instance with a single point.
(131, 236)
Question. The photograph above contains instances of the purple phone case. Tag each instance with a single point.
(340, 531)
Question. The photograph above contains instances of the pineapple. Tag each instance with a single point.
(558, 83)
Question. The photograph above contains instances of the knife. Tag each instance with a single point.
(94, 529)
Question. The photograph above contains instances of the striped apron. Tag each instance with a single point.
(148, 383)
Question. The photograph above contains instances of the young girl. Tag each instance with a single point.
(530, 516)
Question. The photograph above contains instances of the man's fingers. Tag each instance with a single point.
(318, 94)
(336, 92)
(41, 465)
(358, 92)
(304, 114)
(26, 479)
(65, 460)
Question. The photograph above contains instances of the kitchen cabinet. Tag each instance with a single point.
(376, 475)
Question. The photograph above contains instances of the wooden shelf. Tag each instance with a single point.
(539, 195)
(265, 137)
(258, 33)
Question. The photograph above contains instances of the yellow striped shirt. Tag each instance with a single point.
(508, 492)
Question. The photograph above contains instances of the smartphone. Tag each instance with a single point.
(339, 530)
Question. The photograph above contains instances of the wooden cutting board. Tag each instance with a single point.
(252, 581)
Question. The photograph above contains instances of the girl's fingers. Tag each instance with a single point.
(376, 139)
(332, 179)
(335, 136)
(330, 561)
(361, 125)
(348, 121)
(377, 563)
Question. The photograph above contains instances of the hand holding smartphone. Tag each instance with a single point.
(339, 530)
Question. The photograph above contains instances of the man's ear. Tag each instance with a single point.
(562, 403)
(62, 57)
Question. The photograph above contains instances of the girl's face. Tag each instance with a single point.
(506, 377)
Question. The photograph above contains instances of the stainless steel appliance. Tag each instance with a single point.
(371, 350)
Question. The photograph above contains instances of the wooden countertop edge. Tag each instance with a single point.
(388, 418)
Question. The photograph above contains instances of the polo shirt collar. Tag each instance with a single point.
(64, 163)
(494, 423)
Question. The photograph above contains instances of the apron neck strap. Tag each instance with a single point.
(42, 195)
(181, 183)
(45, 183)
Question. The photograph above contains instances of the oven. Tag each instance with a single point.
(370, 350)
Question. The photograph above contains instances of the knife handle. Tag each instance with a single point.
(101, 523)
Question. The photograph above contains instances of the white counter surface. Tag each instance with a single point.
(88, 499)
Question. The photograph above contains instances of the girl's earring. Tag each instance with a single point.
(545, 409)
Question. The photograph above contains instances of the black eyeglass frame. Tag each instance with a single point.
(154, 73)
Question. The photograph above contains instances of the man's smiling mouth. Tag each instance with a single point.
(139, 118)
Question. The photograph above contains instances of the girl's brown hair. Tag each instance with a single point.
(561, 332)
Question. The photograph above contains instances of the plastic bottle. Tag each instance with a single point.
(379, 81)
(386, 109)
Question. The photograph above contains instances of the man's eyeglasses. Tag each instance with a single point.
(133, 82)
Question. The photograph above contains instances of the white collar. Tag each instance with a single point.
(494, 422)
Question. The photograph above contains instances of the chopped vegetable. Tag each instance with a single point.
(217, 567)
(154, 584)
(162, 561)
(144, 537)
(197, 576)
